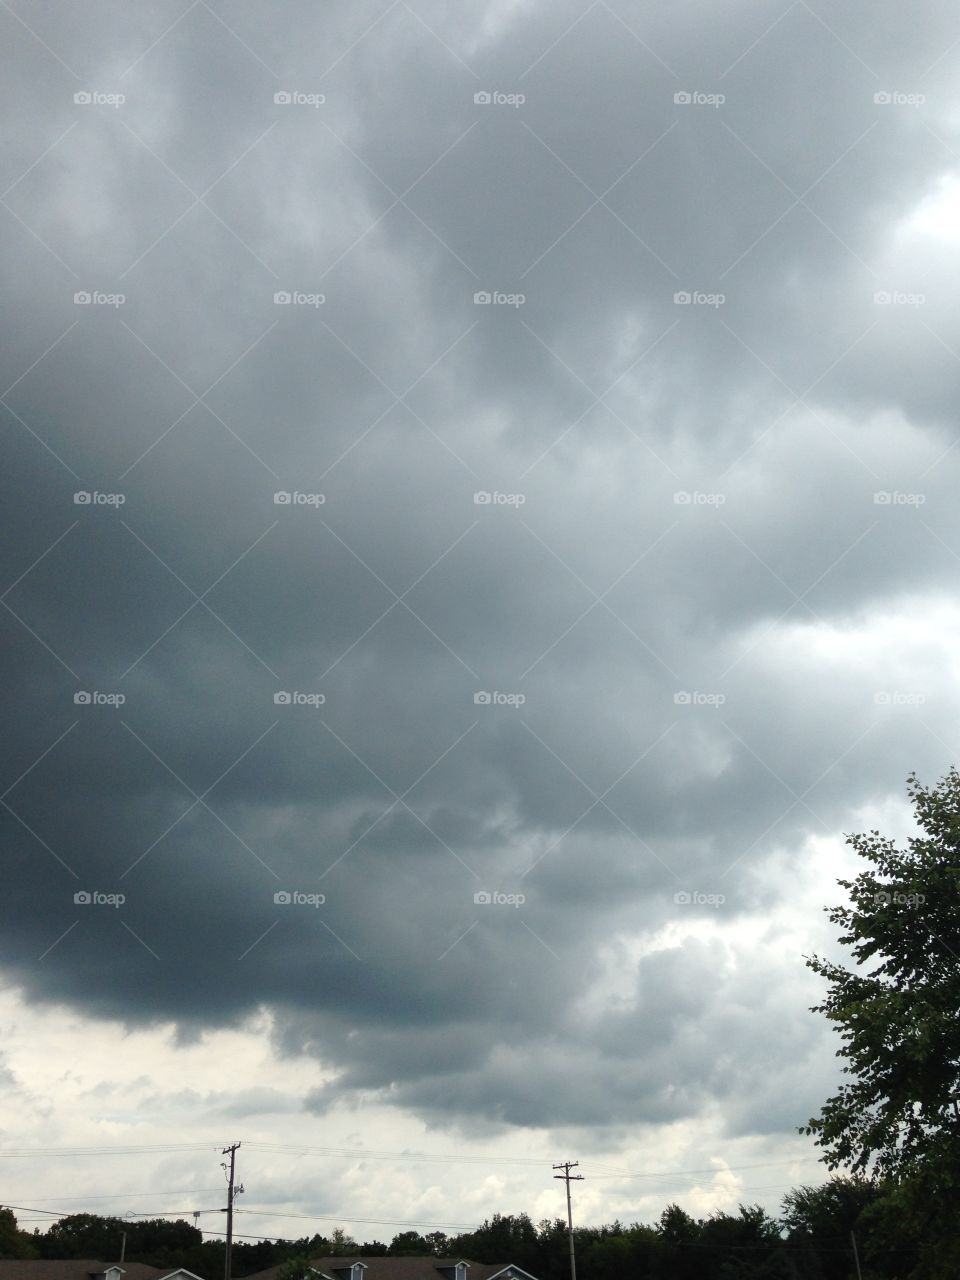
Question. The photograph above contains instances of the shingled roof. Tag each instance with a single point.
(403, 1268)
(75, 1269)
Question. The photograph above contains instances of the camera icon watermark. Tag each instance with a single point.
(96, 98)
(894, 98)
(695, 98)
(297, 898)
(494, 98)
(688, 898)
(86, 698)
(94, 898)
(694, 698)
(698, 298)
(694, 498)
(286, 698)
(898, 698)
(884, 898)
(285, 498)
(494, 498)
(494, 898)
(497, 298)
(494, 698)
(295, 98)
(94, 498)
(897, 298)
(97, 298)
(894, 498)
(298, 298)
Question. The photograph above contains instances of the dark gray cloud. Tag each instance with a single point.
(683, 570)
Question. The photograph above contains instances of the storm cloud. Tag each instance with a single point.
(491, 470)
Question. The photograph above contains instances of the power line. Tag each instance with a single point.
(365, 1154)
(677, 1173)
(130, 1195)
(596, 1171)
(603, 1171)
(336, 1217)
(55, 1215)
(157, 1148)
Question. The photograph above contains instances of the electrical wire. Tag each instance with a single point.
(381, 1222)
(113, 1151)
(594, 1171)
(131, 1195)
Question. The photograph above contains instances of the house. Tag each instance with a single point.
(400, 1268)
(86, 1269)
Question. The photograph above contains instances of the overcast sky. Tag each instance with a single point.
(481, 526)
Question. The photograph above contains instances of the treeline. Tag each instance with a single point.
(811, 1240)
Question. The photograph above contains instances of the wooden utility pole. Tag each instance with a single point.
(231, 1195)
(568, 1177)
(856, 1256)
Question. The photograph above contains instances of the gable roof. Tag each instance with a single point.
(507, 1269)
(426, 1267)
(74, 1269)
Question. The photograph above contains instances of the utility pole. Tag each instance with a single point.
(567, 1177)
(231, 1196)
(856, 1256)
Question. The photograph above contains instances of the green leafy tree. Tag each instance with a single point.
(377, 1249)
(159, 1242)
(679, 1236)
(503, 1238)
(553, 1251)
(409, 1244)
(295, 1268)
(896, 1113)
(677, 1227)
(14, 1243)
(820, 1219)
(734, 1246)
(85, 1235)
(341, 1243)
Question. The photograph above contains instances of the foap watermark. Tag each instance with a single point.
(897, 298)
(495, 298)
(494, 498)
(94, 498)
(494, 898)
(94, 898)
(294, 698)
(97, 298)
(698, 298)
(694, 698)
(297, 298)
(898, 698)
(895, 98)
(694, 498)
(94, 698)
(297, 898)
(296, 98)
(884, 898)
(694, 898)
(494, 698)
(495, 98)
(97, 98)
(696, 98)
(286, 498)
(895, 498)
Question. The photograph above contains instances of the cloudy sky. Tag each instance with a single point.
(480, 504)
